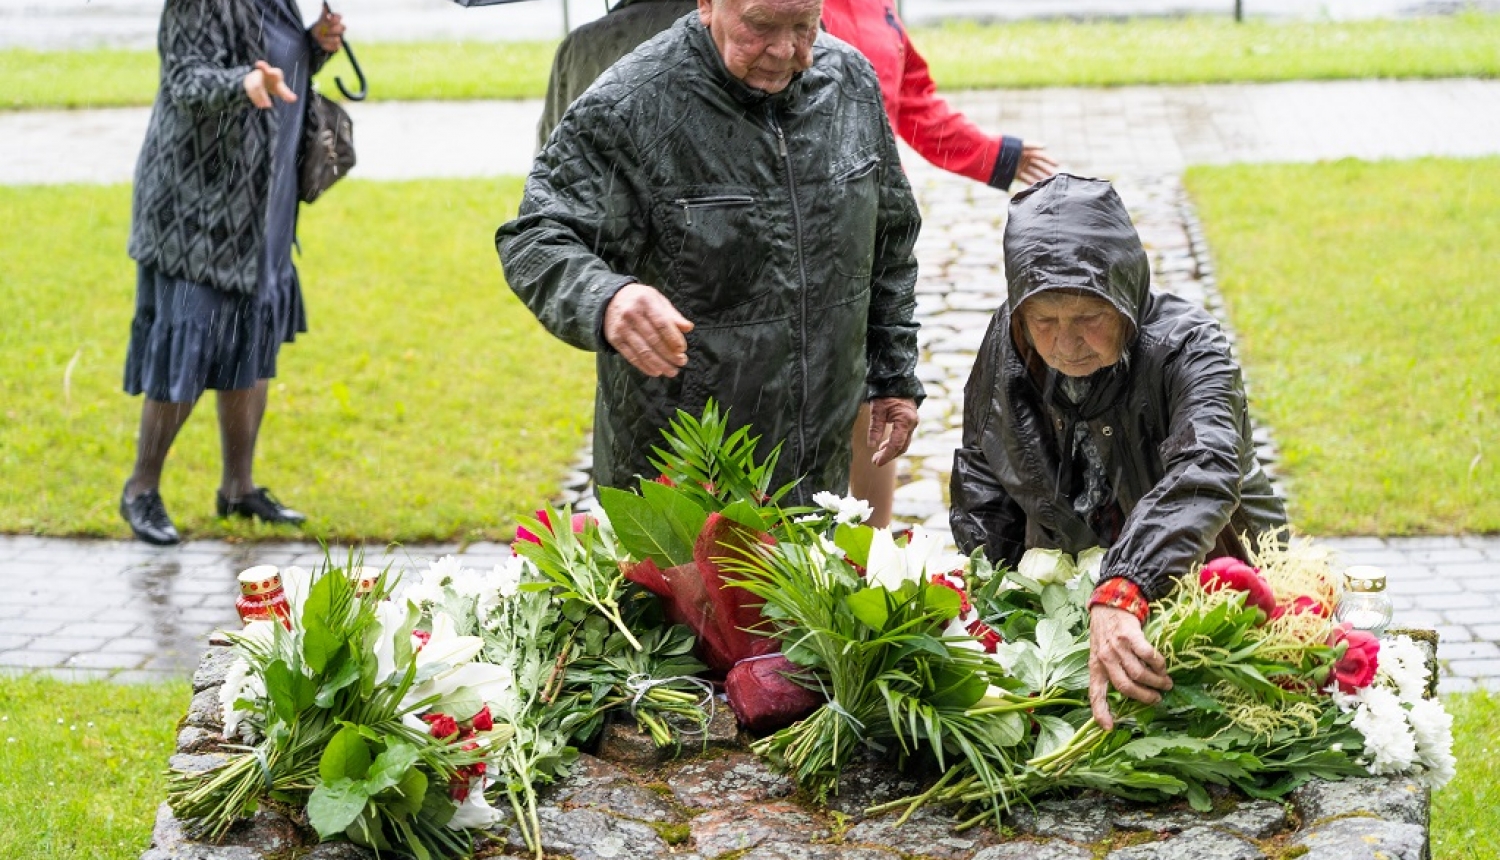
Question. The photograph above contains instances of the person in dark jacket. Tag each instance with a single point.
(586, 52)
(723, 215)
(1101, 413)
(213, 218)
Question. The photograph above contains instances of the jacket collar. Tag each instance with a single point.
(702, 42)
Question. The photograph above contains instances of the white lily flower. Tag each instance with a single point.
(887, 566)
(475, 811)
(389, 614)
(295, 583)
(846, 509)
(1047, 566)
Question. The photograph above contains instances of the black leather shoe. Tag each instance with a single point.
(148, 518)
(261, 505)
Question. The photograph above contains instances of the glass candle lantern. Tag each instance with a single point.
(1364, 604)
(261, 597)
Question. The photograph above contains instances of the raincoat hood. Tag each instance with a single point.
(1073, 233)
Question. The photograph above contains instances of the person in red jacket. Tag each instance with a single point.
(944, 137)
(917, 114)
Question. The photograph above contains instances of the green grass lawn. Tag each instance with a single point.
(962, 55)
(1463, 812)
(81, 764)
(1364, 296)
(425, 403)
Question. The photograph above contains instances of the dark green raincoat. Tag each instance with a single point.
(781, 225)
(1170, 419)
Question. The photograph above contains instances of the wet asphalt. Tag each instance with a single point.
(121, 610)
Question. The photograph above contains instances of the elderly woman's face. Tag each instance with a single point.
(1076, 335)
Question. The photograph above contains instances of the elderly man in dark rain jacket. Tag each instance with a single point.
(1100, 413)
(723, 215)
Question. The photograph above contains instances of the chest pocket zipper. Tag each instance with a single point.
(858, 171)
(720, 201)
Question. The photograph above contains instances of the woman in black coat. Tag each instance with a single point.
(1100, 413)
(212, 224)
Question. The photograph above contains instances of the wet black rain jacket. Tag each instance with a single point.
(781, 225)
(1170, 421)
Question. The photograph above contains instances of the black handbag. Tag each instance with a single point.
(326, 152)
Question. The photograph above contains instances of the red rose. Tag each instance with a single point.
(1301, 605)
(441, 725)
(986, 635)
(1235, 574)
(665, 481)
(459, 791)
(1356, 667)
(951, 584)
(482, 721)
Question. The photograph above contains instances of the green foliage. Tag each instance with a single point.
(1362, 296)
(962, 55)
(425, 402)
(81, 765)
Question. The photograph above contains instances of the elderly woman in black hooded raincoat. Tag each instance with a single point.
(1101, 413)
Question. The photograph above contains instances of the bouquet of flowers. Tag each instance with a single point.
(711, 502)
(382, 734)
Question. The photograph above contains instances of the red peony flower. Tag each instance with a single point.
(1234, 574)
(986, 635)
(525, 534)
(482, 721)
(1356, 668)
(441, 725)
(948, 582)
(1301, 605)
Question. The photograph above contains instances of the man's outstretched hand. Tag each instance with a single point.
(644, 327)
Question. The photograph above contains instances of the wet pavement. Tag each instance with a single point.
(121, 610)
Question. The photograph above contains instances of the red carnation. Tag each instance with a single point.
(1356, 668)
(986, 635)
(422, 637)
(1234, 574)
(482, 721)
(441, 725)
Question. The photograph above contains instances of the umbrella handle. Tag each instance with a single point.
(364, 86)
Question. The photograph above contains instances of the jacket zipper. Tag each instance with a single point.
(791, 184)
(688, 204)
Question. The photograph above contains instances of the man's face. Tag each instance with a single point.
(1076, 335)
(763, 42)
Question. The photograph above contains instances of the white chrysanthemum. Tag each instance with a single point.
(1403, 666)
(846, 509)
(1390, 744)
(1433, 727)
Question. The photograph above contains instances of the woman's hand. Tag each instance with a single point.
(265, 81)
(328, 32)
(1120, 657)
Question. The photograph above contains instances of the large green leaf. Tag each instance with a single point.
(683, 514)
(957, 688)
(347, 756)
(871, 606)
(643, 530)
(390, 767)
(855, 542)
(319, 642)
(333, 806)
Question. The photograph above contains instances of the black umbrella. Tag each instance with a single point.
(364, 86)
